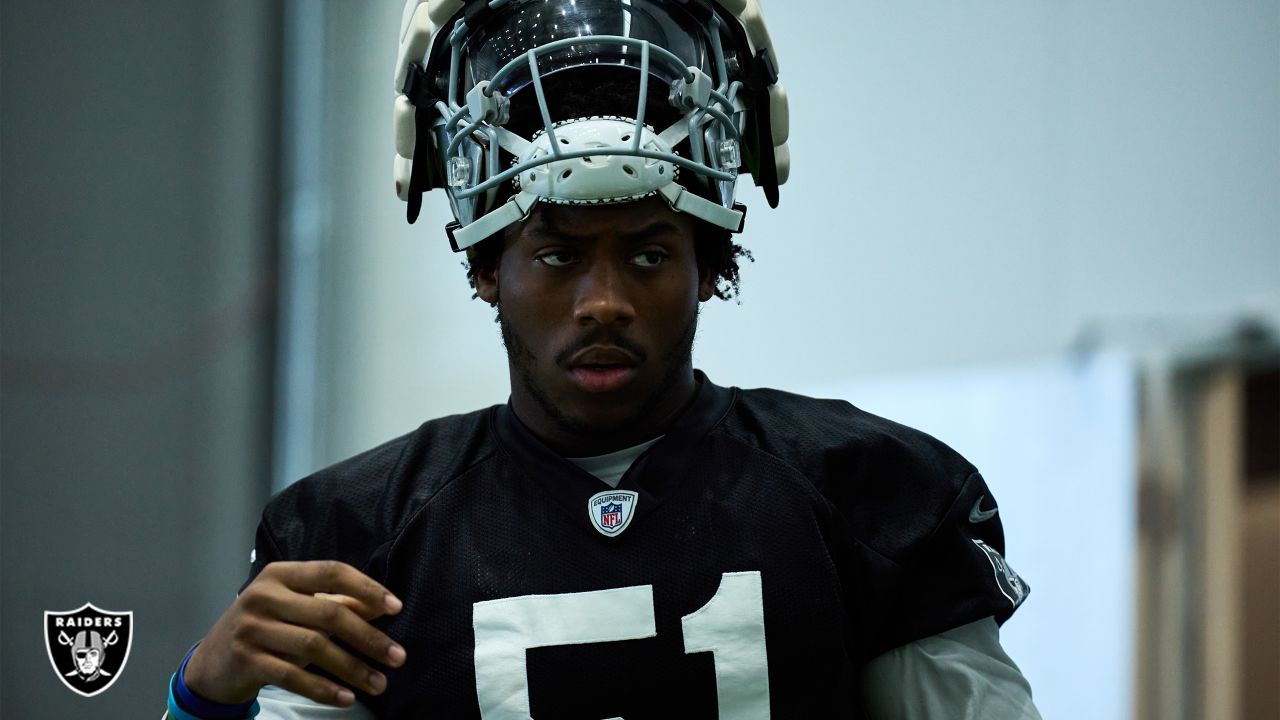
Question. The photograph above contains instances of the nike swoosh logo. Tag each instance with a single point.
(977, 514)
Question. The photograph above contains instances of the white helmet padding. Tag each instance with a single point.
(616, 174)
(501, 54)
(596, 178)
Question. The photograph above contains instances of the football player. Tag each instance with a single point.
(625, 537)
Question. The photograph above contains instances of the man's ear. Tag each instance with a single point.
(487, 285)
(706, 286)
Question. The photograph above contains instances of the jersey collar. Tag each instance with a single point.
(655, 475)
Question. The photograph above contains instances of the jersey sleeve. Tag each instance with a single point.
(958, 573)
(962, 673)
(345, 512)
(265, 550)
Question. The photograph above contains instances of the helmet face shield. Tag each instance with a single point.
(519, 27)
(581, 102)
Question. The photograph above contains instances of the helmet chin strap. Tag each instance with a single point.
(681, 200)
(518, 207)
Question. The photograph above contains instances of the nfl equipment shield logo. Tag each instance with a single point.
(611, 515)
(611, 511)
(88, 647)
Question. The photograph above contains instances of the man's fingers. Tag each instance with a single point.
(313, 647)
(290, 677)
(331, 576)
(338, 619)
(357, 606)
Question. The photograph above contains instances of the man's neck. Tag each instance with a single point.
(573, 440)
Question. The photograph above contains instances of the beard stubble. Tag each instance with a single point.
(523, 360)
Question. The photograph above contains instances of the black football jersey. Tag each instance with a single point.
(747, 565)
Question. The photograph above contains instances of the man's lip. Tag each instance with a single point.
(607, 356)
(602, 368)
(602, 378)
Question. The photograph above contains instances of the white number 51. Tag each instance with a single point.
(730, 626)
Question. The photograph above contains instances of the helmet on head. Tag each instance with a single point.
(508, 103)
(88, 649)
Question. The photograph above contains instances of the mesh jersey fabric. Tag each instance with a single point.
(860, 529)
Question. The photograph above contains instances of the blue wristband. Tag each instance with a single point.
(177, 712)
(184, 704)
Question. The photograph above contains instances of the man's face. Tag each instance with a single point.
(87, 660)
(598, 307)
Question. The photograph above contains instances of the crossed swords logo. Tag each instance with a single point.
(88, 647)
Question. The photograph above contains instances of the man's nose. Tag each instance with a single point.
(603, 296)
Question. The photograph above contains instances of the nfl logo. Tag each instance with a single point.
(611, 511)
(611, 515)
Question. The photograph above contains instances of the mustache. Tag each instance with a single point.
(600, 336)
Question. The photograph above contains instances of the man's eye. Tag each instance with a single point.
(650, 258)
(556, 258)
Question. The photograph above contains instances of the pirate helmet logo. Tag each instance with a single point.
(88, 647)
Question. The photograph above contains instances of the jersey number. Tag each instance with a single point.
(730, 627)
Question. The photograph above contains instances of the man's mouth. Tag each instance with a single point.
(602, 378)
(600, 369)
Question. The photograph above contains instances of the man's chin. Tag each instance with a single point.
(601, 419)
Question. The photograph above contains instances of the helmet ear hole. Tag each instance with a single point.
(629, 170)
(565, 175)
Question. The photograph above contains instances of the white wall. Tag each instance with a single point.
(974, 182)
(1056, 442)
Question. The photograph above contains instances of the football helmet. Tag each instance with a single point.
(508, 103)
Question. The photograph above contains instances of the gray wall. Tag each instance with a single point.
(137, 246)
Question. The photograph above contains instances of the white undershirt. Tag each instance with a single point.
(612, 466)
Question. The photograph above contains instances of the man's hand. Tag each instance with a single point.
(282, 622)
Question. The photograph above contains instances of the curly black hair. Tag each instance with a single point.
(613, 91)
